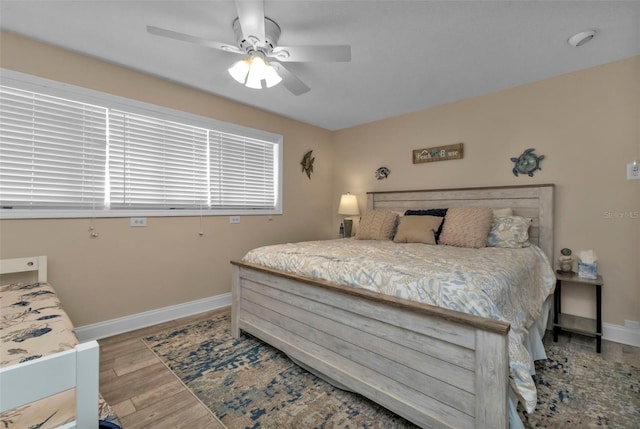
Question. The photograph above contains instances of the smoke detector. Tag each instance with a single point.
(581, 38)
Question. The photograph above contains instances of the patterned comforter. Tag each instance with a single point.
(498, 283)
(33, 324)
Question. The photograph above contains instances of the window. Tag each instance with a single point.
(230, 154)
(70, 152)
(155, 163)
(52, 151)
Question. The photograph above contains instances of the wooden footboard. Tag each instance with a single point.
(435, 367)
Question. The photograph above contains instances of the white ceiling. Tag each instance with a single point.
(406, 55)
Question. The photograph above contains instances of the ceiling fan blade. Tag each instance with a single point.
(338, 53)
(192, 39)
(289, 80)
(251, 17)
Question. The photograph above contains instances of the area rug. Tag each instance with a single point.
(578, 389)
(248, 384)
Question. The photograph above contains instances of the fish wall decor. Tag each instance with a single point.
(307, 163)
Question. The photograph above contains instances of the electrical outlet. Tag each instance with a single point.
(138, 221)
(633, 171)
(234, 219)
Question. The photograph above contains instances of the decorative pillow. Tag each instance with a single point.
(467, 227)
(377, 225)
(418, 229)
(429, 212)
(502, 212)
(509, 231)
(398, 220)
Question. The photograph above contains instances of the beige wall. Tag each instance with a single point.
(125, 270)
(587, 124)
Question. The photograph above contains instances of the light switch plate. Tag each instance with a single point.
(633, 171)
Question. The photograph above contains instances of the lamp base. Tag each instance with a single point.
(348, 224)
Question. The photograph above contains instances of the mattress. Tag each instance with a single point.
(504, 284)
(33, 324)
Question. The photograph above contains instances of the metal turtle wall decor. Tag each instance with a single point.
(527, 163)
(307, 163)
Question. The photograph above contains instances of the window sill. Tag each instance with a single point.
(71, 214)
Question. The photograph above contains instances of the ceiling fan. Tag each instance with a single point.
(257, 39)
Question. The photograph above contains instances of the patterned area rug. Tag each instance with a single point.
(249, 384)
(578, 389)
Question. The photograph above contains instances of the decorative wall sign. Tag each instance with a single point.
(438, 153)
(382, 173)
(527, 163)
(307, 163)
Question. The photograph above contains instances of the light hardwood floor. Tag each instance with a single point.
(145, 394)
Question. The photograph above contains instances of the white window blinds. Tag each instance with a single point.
(52, 152)
(155, 163)
(242, 171)
(93, 154)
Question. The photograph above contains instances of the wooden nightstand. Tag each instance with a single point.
(569, 322)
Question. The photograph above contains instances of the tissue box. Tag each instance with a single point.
(587, 271)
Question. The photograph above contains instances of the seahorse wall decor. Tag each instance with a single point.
(307, 163)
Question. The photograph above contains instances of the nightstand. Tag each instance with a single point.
(569, 322)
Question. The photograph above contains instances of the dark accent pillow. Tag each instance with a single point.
(430, 212)
(104, 424)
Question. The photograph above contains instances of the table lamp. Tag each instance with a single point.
(349, 207)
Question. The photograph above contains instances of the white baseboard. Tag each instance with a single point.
(153, 317)
(621, 334)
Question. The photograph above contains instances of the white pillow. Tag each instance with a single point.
(502, 212)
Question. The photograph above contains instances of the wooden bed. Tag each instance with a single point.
(33, 380)
(393, 351)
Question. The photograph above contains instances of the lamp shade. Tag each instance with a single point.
(254, 72)
(239, 71)
(348, 205)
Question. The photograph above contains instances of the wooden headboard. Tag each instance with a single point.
(533, 201)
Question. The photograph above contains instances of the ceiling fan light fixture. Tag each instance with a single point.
(257, 72)
(239, 70)
(257, 40)
(271, 76)
(253, 71)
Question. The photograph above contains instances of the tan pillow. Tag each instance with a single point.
(377, 225)
(467, 227)
(418, 229)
